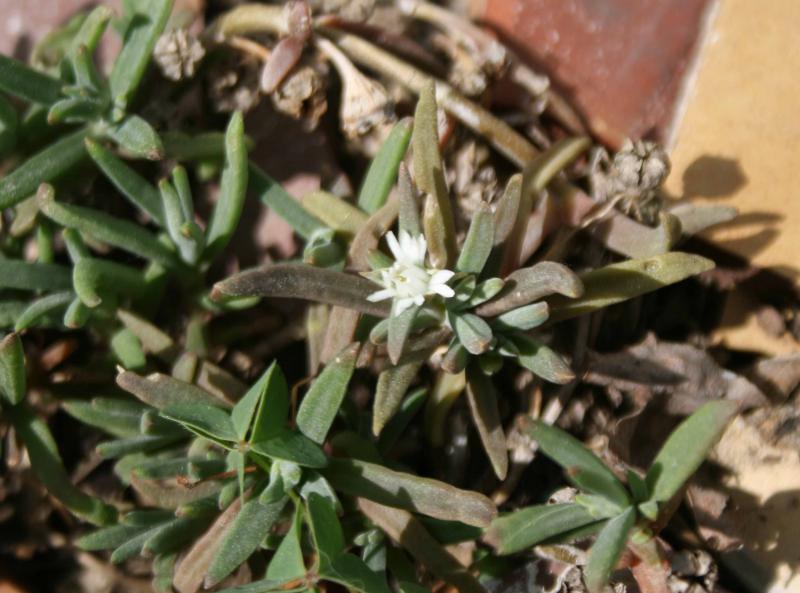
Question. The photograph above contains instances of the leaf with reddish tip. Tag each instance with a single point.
(138, 138)
(528, 285)
(472, 331)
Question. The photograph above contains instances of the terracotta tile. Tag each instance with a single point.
(621, 61)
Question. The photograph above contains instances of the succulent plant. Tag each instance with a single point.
(407, 312)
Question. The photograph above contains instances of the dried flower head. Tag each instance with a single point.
(234, 84)
(641, 166)
(302, 95)
(178, 53)
(408, 281)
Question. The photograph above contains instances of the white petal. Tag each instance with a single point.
(419, 300)
(401, 305)
(441, 276)
(381, 295)
(443, 290)
(420, 248)
(394, 246)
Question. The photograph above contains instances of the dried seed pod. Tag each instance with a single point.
(302, 95)
(365, 103)
(234, 84)
(178, 54)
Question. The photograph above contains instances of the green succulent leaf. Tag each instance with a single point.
(161, 391)
(86, 75)
(202, 419)
(233, 189)
(26, 83)
(547, 165)
(287, 564)
(637, 486)
(625, 280)
(47, 465)
(303, 282)
(352, 572)
(325, 530)
(437, 220)
(189, 243)
(393, 383)
(583, 467)
(473, 332)
(408, 532)
(528, 285)
(273, 195)
(45, 166)
(120, 233)
(341, 216)
(269, 397)
(523, 318)
(409, 408)
(482, 401)
(321, 404)
(153, 340)
(408, 207)
(478, 243)
(137, 137)
(686, 448)
(400, 327)
(541, 360)
(136, 444)
(74, 110)
(110, 537)
(248, 530)
(9, 126)
(291, 446)
(145, 22)
(183, 147)
(130, 184)
(91, 30)
(94, 278)
(530, 526)
(13, 379)
(43, 307)
(607, 550)
(128, 349)
(175, 534)
(22, 275)
(117, 417)
(382, 171)
(406, 491)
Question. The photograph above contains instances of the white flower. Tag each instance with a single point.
(408, 281)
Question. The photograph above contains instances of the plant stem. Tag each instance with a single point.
(499, 134)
